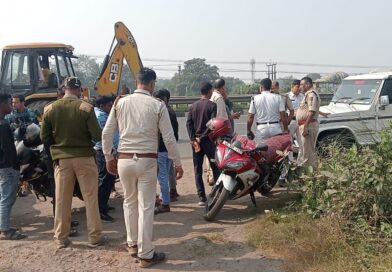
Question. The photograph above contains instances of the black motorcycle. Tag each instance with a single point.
(36, 167)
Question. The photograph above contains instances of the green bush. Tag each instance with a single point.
(354, 184)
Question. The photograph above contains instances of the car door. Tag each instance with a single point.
(384, 113)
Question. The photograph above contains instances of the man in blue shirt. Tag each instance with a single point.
(105, 179)
(20, 115)
(9, 173)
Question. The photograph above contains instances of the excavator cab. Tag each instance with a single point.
(35, 70)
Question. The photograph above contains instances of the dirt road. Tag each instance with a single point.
(191, 243)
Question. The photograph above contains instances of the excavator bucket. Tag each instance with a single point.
(129, 48)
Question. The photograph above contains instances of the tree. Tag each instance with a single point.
(195, 71)
(87, 70)
(314, 76)
(234, 85)
(285, 84)
(251, 88)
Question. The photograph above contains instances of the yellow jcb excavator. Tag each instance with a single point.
(37, 69)
(125, 48)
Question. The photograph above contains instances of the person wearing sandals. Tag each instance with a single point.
(9, 173)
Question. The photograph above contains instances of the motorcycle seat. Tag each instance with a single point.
(279, 142)
(261, 147)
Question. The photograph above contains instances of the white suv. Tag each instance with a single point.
(359, 110)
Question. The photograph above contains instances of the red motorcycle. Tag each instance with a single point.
(245, 167)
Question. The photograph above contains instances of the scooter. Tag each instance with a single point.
(245, 168)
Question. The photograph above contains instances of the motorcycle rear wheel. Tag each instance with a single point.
(273, 178)
(215, 201)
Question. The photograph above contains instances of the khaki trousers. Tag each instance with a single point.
(309, 156)
(295, 133)
(84, 169)
(139, 181)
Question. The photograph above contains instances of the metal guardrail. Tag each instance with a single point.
(178, 100)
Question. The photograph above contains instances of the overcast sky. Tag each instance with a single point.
(300, 31)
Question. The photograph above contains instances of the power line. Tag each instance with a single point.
(178, 61)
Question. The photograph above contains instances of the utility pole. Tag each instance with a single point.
(252, 69)
(179, 76)
(271, 70)
(268, 70)
(274, 71)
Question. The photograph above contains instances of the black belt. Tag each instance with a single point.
(267, 123)
(137, 155)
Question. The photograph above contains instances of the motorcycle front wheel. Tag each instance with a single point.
(215, 201)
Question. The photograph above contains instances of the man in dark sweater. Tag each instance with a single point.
(9, 172)
(199, 114)
(163, 160)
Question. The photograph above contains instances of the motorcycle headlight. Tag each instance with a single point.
(234, 165)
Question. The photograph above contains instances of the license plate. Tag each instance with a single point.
(232, 147)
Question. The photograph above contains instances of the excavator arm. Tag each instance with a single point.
(125, 48)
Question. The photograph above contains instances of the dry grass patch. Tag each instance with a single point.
(314, 245)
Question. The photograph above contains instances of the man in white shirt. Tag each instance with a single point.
(296, 97)
(218, 99)
(267, 108)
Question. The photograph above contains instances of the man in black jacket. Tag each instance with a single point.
(199, 114)
(9, 172)
(164, 162)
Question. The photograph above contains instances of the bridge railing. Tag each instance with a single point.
(241, 102)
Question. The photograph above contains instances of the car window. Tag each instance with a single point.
(357, 91)
(387, 89)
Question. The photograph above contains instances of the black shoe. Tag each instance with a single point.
(202, 201)
(157, 258)
(22, 193)
(73, 232)
(106, 218)
(282, 182)
(162, 209)
(74, 223)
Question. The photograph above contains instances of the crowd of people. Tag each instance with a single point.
(134, 137)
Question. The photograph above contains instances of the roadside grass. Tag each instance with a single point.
(318, 245)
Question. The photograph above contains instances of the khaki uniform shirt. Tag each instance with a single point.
(139, 118)
(221, 111)
(287, 102)
(311, 102)
(70, 126)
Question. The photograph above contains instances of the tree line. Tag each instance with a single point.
(184, 83)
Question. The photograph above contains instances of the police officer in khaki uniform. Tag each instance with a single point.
(139, 118)
(307, 116)
(69, 127)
